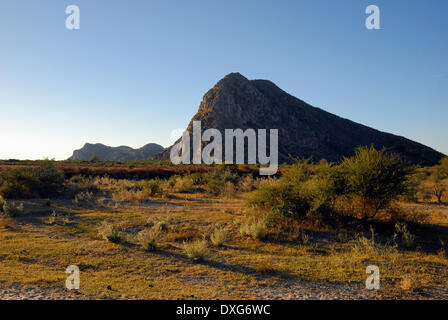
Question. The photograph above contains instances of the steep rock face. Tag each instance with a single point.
(303, 130)
(106, 153)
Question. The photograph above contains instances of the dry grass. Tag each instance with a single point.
(218, 237)
(148, 239)
(409, 283)
(109, 232)
(33, 252)
(256, 230)
(198, 250)
(264, 266)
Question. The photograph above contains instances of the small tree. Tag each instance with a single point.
(298, 172)
(438, 174)
(377, 178)
(325, 187)
(279, 198)
(443, 164)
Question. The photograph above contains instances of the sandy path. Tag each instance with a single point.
(285, 290)
(304, 290)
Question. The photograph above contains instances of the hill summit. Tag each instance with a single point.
(303, 130)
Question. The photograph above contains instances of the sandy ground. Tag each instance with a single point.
(286, 290)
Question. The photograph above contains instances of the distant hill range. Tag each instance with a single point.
(303, 130)
(122, 153)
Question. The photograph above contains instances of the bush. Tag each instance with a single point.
(264, 266)
(148, 239)
(298, 172)
(83, 198)
(50, 179)
(172, 180)
(183, 184)
(438, 174)
(325, 187)
(377, 178)
(197, 250)
(153, 187)
(256, 230)
(407, 238)
(125, 195)
(43, 180)
(197, 178)
(228, 190)
(161, 226)
(11, 209)
(247, 184)
(443, 164)
(109, 232)
(221, 181)
(218, 237)
(279, 198)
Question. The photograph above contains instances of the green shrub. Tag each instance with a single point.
(221, 181)
(153, 187)
(197, 178)
(40, 181)
(438, 174)
(218, 237)
(172, 180)
(377, 178)
(298, 172)
(197, 250)
(443, 164)
(213, 187)
(50, 179)
(325, 187)
(279, 198)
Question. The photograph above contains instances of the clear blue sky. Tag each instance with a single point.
(137, 69)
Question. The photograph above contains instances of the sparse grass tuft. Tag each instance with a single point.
(109, 232)
(264, 266)
(148, 239)
(218, 237)
(256, 230)
(83, 198)
(183, 184)
(197, 250)
(409, 283)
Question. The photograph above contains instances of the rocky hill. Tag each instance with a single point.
(303, 130)
(106, 153)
